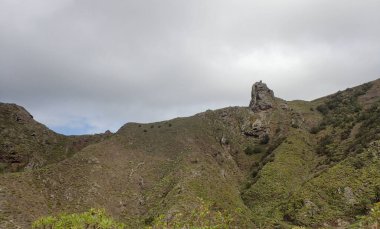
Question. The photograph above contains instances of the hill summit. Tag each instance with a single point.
(273, 164)
(262, 97)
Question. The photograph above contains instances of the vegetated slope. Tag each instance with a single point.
(273, 163)
(27, 144)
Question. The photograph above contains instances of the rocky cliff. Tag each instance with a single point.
(262, 98)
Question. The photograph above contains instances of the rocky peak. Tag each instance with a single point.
(262, 98)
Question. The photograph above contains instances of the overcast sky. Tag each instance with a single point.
(85, 66)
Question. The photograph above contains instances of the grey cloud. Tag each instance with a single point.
(94, 65)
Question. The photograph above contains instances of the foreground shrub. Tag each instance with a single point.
(372, 220)
(203, 216)
(94, 218)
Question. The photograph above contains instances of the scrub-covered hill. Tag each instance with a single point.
(27, 144)
(273, 163)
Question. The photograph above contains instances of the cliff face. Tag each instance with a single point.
(262, 98)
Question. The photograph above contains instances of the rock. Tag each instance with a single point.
(312, 208)
(224, 141)
(349, 196)
(255, 129)
(262, 98)
(284, 106)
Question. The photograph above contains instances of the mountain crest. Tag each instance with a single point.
(262, 98)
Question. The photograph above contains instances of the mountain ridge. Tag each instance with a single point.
(268, 163)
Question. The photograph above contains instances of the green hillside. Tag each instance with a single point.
(27, 144)
(274, 164)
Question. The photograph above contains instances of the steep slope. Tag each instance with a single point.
(274, 163)
(136, 174)
(27, 144)
(330, 175)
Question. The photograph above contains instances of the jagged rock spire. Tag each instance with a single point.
(262, 98)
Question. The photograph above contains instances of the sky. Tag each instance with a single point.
(87, 66)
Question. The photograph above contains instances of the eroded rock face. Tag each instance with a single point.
(262, 98)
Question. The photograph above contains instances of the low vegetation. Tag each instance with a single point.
(94, 218)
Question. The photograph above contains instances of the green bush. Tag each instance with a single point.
(323, 145)
(323, 109)
(203, 216)
(372, 220)
(94, 218)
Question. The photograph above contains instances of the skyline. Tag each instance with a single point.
(85, 67)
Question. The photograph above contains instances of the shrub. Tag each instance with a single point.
(345, 134)
(94, 218)
(358, 163)
(254, 172)
(314, 130)
(323, 109)
(372, 220)
(265, 139)
(252, 150)
(203, 216)
(324, 142)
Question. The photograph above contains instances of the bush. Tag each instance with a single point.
(358, 163)
(203, 216)
(372, 220)
(254, 172)
(252, 150)
(323, 109)
(314, 130)
(324, 142)
(345, 134)
(94, 218)
(265, 139)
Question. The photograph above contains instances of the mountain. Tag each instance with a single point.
(275, 163)
(26, 144)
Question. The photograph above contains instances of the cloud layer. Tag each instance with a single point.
(90, 65)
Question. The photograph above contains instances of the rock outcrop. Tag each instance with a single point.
(262, 98)
(255, 129)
